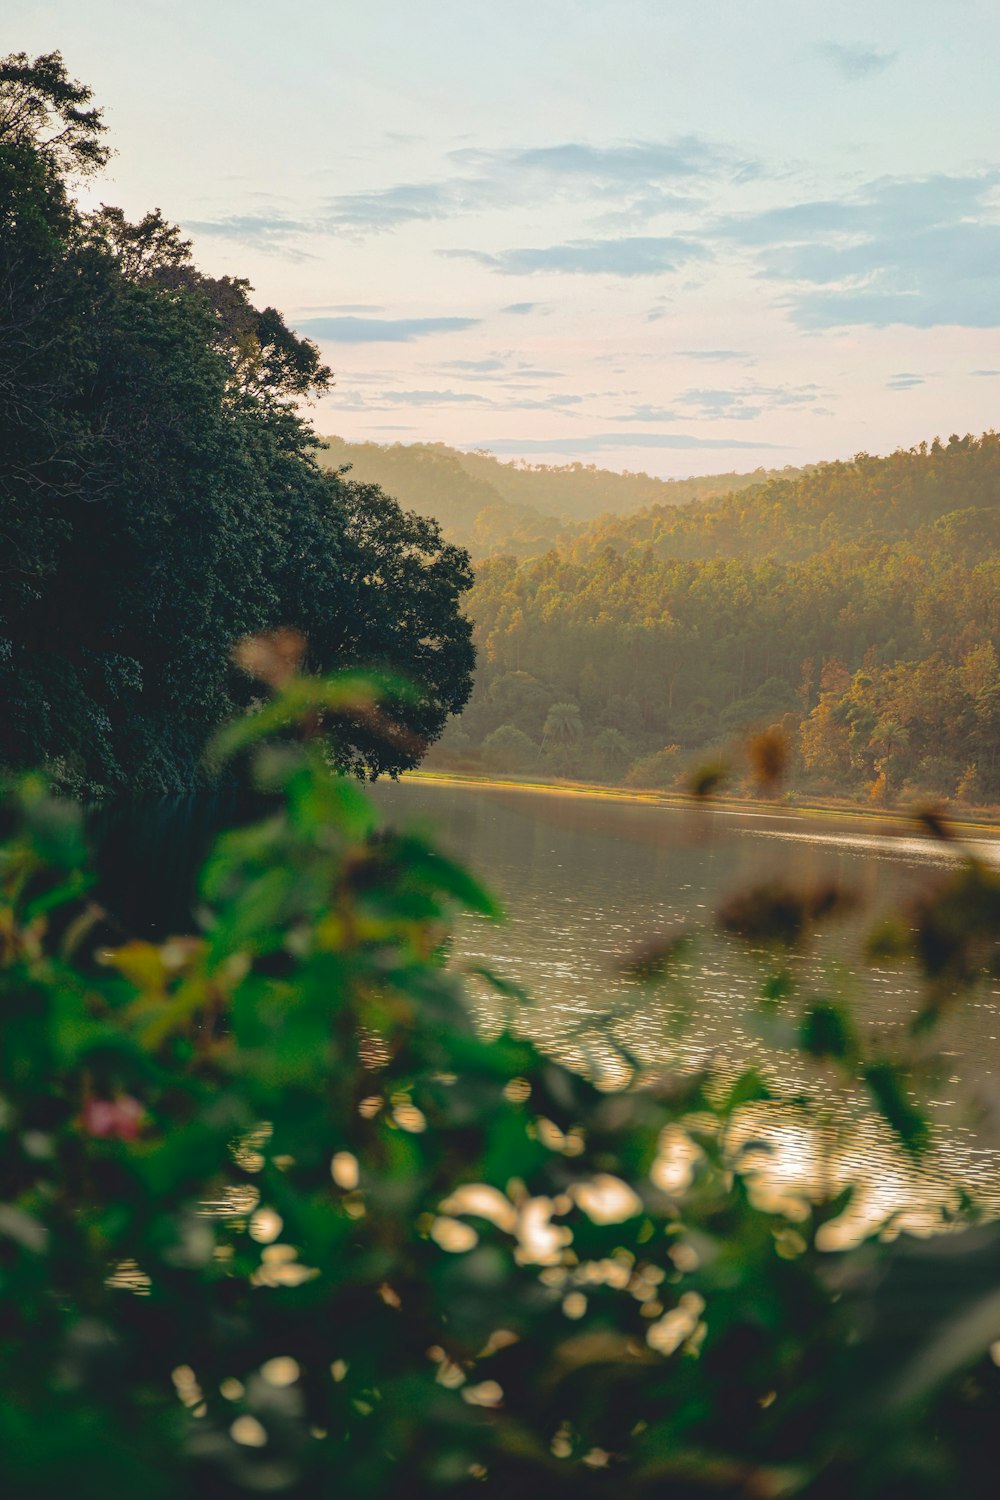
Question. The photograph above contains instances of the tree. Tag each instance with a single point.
(44, 113)
(159, 498)
(658, 771)
(509, 749)
(612, 751)
(563, 725)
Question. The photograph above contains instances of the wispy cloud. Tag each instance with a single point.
(474, 366)
(904, 381)
(639, 162)
(746, 403)
(741, 404)
(606, 442)
(854, 61)
(646, 413)
(634, 255)
(545, 403)
(637, 178)
(522, 309)
(718, 355)
(635, 181)
(919, 251)
(499, 400)
(495, 370)
(433, 398)
(274, 232)
(352, 330)
(404, 203)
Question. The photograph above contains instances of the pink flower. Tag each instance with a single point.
(118, 1119)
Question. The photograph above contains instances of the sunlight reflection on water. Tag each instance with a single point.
(586, 883)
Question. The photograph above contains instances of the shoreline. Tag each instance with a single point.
(888, 819)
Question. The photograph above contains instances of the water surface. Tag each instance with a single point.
(586, 882)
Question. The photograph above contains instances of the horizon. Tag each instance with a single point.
(675, 236)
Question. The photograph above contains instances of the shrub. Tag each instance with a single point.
(278, 1218)
(509, 749)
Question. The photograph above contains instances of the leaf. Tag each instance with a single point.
(302, 700)
(505, 987)
(826, 1031)
(886, 1087)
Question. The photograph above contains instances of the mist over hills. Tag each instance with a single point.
(495, 507)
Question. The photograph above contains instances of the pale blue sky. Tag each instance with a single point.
(678, 235)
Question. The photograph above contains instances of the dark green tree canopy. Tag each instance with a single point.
(44, 111)
(158, 494)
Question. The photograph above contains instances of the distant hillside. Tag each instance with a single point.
(581, 492)
(864, 499)
(520, 510)
(854, 608)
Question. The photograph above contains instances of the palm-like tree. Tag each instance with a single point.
(612, 750)
(563, 725)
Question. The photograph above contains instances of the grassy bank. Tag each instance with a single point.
(978, 820)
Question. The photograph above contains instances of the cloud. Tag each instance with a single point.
(638, 177)
(637, 162)
(404, 203)
(473, 366)
(748, 402)
(271, 232)
(340, 307)
(250, 226)
(433, 398)
(631, 182)
(350, 330)
(636, 255)
(904, 381)
(649, 414)
(985, 372)
(547, 403)
(499, 401)
(740, 405)
(526, 372)
(854, 61)
(604, 442)
(495, 370)
(923, 252)
(521, 309)
(713, 354)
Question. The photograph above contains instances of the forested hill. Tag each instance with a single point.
(795, 515)
(518, 509)
(856, 607)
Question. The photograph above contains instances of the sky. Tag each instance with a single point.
(679, 236)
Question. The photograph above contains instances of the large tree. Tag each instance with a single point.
(158, 494)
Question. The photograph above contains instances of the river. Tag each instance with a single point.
(588, 881)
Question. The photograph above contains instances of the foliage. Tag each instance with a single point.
(856, 606)
(658, 771)
(159, 498)
(509, 749)
(278, 1218)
